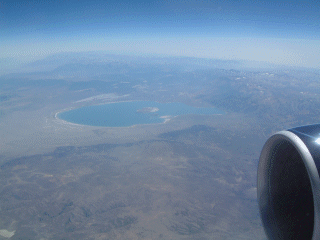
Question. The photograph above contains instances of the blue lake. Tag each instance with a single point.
(124, 114)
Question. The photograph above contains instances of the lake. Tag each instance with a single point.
(125, 114)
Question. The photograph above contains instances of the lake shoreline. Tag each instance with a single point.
(128, 113)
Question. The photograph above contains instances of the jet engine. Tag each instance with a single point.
(289, 184)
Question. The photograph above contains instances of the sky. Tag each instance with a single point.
(282, 32)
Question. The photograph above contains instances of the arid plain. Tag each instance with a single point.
(193, 177)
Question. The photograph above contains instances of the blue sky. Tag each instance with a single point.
(286, 32)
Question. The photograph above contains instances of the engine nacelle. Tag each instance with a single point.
(289, 184)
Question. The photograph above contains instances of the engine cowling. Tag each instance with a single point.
(289, 184)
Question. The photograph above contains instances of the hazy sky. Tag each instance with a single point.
(286, 32)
